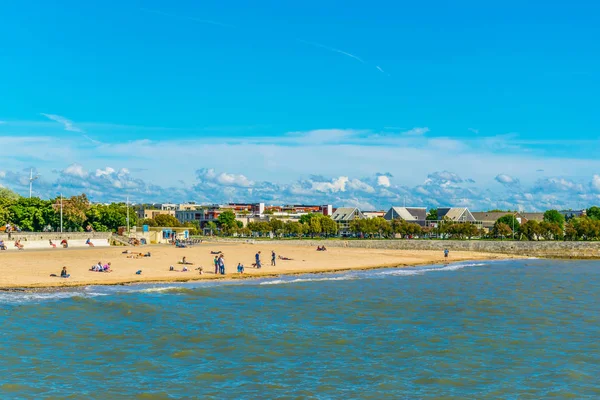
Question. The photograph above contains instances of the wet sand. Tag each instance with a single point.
(31, 269)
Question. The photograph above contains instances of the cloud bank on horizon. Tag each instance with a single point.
(344, 167)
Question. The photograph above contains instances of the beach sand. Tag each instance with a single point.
(25, 269)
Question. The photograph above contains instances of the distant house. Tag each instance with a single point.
(408, 214)
(455, 214)
(373, 214)
(343, 216)
(488, 219)
(568, 214)
(533, 216)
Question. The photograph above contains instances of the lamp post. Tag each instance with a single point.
(61, 213)
(31, 179)
(128, 214)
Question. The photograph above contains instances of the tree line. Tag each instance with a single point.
(39, 215)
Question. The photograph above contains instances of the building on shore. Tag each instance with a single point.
(343, 216)
(488, 219)
(417, 215)
(250, 212)
(373, 214)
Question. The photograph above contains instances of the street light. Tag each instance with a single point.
(61, 213)
(31, 179)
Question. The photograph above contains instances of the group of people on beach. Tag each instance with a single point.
(321, 248)
(101, 268)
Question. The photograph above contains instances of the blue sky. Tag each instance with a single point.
(457, 103)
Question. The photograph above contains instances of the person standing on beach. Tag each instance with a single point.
(257, 257)
(216, 261)
(446, 253)
(221, 265)
(273, 258)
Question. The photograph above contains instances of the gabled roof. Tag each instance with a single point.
(533, 216)
(491, 216)
(346, 214)
(455, 214)
(407, 213)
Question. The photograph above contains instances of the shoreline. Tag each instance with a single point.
(63, 285)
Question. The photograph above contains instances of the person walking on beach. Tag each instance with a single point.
(273, 258)
(446, 253)
(257, 257)
(216, 261)
(221, 265)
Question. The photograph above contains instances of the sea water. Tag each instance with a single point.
(526, 329)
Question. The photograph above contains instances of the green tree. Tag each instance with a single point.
(305, 218)
(530, 229)
(74, 211)
(593, 213)
(554, 217)
(432, 215)
(149, 222)
(226, 219)
(110, 217)
(329, 226)
(501, 230)
(277, 226)
(293, 228)
(33, 214)
(212, 227)
(511, 221)
(570, 231)
(167, 221)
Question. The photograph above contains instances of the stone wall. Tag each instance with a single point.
(531, 249)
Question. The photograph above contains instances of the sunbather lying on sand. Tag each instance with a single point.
(285, 258)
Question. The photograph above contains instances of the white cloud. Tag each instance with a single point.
(105, 172)
(506, 179)
(336, 185)
(416, 131)
(596, 183)
(383, 180)
(75, 170)
(67, 123)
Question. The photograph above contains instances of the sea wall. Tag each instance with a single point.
(549, 249)
(40, 240)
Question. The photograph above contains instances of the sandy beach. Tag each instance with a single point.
(26, 269)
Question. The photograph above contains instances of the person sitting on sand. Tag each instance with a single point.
(64, 273)
(285, 258)
(18, 245)
(64, 243)
(106, 268)
(2, 245)
(171, 268)
(126, 252)
(148, 254)
(200, 270)
(51, 244)
(89, 242)
(185, 269)
(138, 272)
(184, 261)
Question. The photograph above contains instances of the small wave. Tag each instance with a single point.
(298, 280)
(159, 289)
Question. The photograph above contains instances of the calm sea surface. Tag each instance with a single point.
(526, 329)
